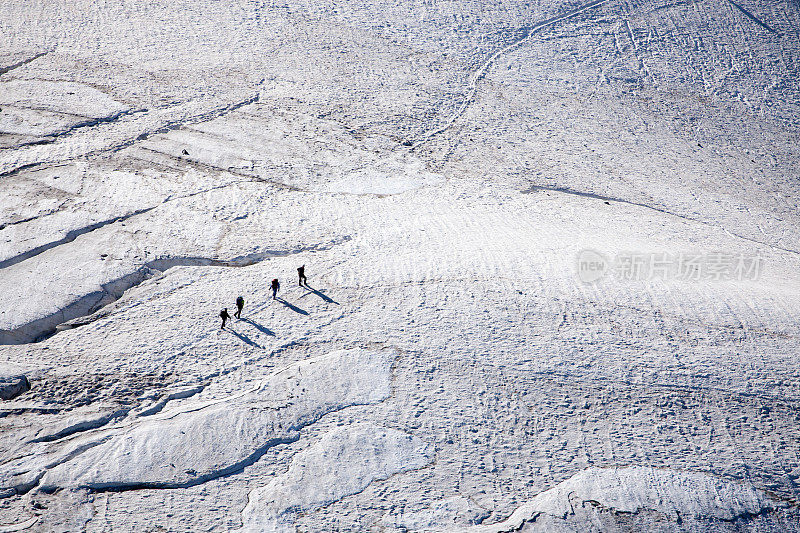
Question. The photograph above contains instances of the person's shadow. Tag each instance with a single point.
(242, 337)
(320, 294)
(292, 307)
(259, 327)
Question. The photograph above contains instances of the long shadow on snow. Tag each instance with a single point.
(242, 337)
(292, 307)
(320, 294)
(259, 327)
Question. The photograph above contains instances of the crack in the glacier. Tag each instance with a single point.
(179, 395)
(177, 124)
(156, 408)
(91, 122)
(169, 125)
(74, 234)
(91, 306)
(194, 163)
(39, 410)
(25, 61)
(230, 470)
(32, 218)
(80, 429)
(293, 435)
(24, 487)
(83, 426)
(481, 73)
(33, 142)
(16, 170)
(70, 236)
(567, 190)
(434, 458)
(88, 123)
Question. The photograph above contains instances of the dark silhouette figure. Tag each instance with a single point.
(239, 306)
(301, 275)
(224, 316)
(275, 287)
(184, 152)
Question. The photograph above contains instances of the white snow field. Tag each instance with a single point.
(552, 248)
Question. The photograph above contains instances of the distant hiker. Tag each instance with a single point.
(275, 287)
(224, 316)
(239, 306)
(301, 275)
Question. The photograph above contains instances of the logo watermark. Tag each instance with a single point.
(593, 266)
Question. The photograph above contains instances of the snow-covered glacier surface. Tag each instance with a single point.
(552, 248)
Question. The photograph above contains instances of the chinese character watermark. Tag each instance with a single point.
(593, 266)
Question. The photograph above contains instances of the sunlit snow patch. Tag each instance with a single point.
(343, 462)
(392, 176)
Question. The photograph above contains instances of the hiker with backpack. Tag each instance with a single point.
(224, 316)
(275, 286)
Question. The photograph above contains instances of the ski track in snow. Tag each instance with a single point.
(478, 75)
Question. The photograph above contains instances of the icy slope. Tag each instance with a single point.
(438, 167)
